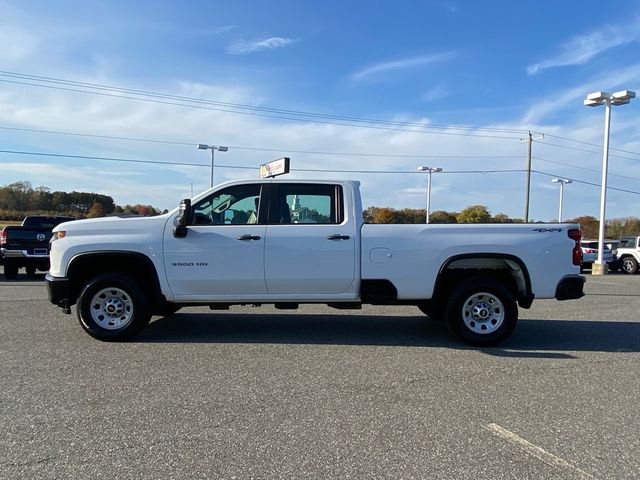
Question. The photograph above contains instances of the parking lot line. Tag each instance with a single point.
(539, 453)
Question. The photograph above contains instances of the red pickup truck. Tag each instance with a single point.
(27, 245)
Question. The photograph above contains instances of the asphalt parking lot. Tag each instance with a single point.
(321, 393)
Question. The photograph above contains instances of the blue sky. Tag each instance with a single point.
(498, 69)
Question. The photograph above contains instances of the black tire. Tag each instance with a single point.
(481, 311)
(628, 265)
(10, 270)
(31, 270)
(113, 307)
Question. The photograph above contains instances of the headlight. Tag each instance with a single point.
(58, 235)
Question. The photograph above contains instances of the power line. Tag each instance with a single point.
(589, 183)
(312, 152)
(159, 162)
(88, 135)
(386, 172)
(108, 159)
(589, 151)
(281, 117)
(290, 114)
(590, 144)
(96, 86)
(262, 149)
(309, 152)
(584, 168)
(400, 172)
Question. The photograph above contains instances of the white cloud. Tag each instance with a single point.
(436, 93)
(244, 47)
(16, 43)
(582, 48)
(402, 64)
(556, 101)
(220, 29)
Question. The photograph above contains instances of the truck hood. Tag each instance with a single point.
(110, 225)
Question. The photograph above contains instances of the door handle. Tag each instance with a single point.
(248, 237)
(337, 236)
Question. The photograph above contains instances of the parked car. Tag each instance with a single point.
(590, 255)
(615, 265)
(629, 253)
(27, 245)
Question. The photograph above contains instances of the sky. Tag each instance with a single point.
(348, 90)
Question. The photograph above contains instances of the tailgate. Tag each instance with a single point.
(34, 241)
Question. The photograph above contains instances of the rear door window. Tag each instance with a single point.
(306, 204)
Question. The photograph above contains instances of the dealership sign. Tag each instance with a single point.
(277, 167)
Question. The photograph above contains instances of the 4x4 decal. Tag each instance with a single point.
(545, 230)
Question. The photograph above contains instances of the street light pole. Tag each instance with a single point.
(213, 148)
(562, 182)
(429, 170)
(593, 100)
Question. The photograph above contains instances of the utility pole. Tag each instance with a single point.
(528, 186)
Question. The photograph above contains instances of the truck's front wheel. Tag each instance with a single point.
(481, 312)
(112, 307)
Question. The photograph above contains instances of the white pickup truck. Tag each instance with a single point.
(299, 241)
(628, 253)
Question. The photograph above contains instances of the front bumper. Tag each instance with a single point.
(58, 291)
(570, 287)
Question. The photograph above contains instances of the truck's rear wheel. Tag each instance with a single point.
(481, 312)
(10, 269)
(113, 307)
(628, 265)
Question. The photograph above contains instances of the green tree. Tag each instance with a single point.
(440, 216)
(501, 218)
(588, 225)
(385, 215)
(60, 201)
(16, 196)
(97, 210)
(40, 199)
(474, 214)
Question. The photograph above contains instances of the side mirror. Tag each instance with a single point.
(182, 220)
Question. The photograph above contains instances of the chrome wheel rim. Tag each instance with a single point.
(627, 265)
(483, 313)
(112, 308)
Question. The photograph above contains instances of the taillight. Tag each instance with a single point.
(576, 255)
(3, 238)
